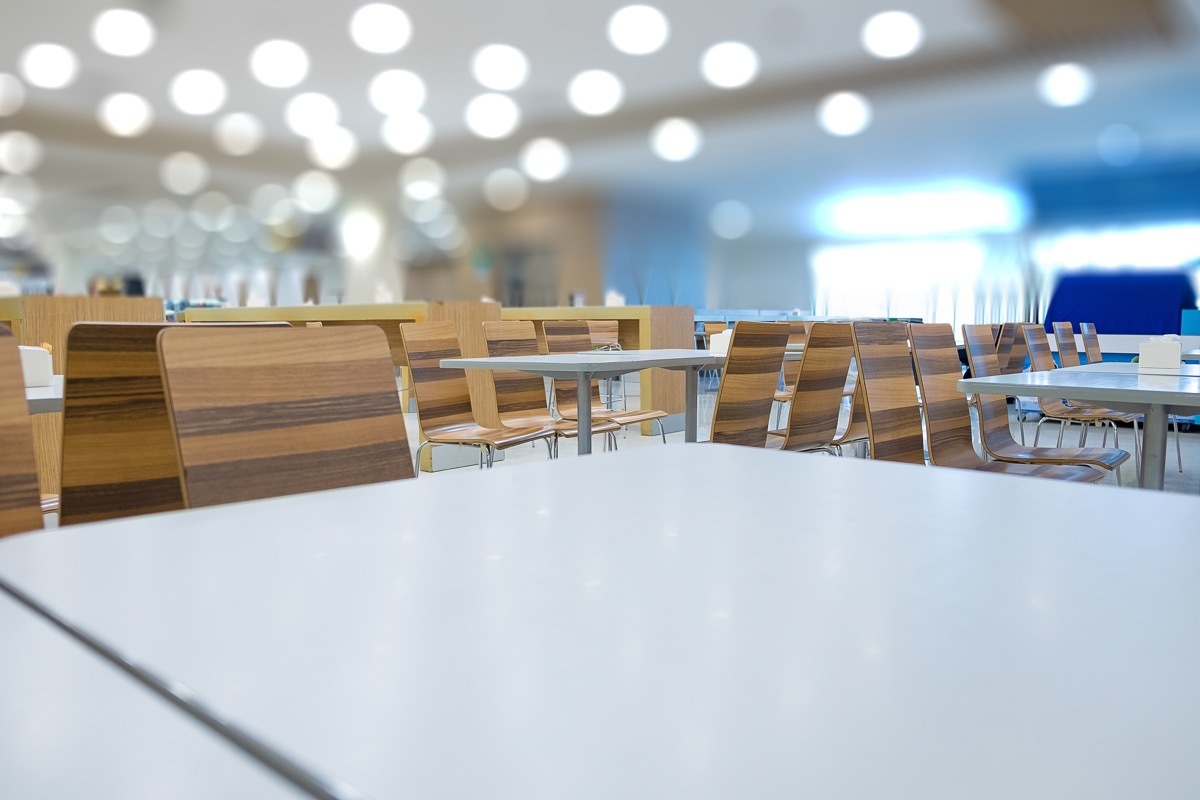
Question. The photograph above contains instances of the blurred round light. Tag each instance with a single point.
(123, 32)
(422, 179)
(407, 134)
(427, 211)
(198, 91)
(500, 67)
(441, 226)
(125, 114)
(729, 65)
(288, 218)
(397, 91)
(1119, 145)
(241, 226)
(12, 94)
(211, 211)
(730, 219)
(265, 199)
(238, 134)
(545, 159)
(183, 173)
(310, 113)
(19, 194)
(361, 232)
(161, 218)
(380, 28)
(118, 224)
(50, 66)
(1065, 85)
(332, 148)
(676, 139)
(638, 30)
(844, 114)
(12, 224)
(493, 116)
(20, 152)
(279, 63)
(316, 191)
(505, 189)
(892, 34)
(595, 92)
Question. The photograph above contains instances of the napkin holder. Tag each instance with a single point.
(718, 343)
(36, 366)
(1160, 356)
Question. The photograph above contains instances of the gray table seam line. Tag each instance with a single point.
(310, 783)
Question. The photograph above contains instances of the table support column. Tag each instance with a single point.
(1154, 447)
(691, 415)
(583, 412)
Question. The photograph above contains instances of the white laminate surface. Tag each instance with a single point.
(1191, 355)
(597, 363)
(1122, 390)
(72, 726)
(1129, 368)
(702, 622)
(45, 399)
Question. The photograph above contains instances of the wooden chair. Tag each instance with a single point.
(855, 431)
(20, 502)
(573, 336)
(1068, 351)
(444, 401)
(885, 371)
(1011, 349)
(797, 337)
(606, 335)
(521, 396)
(995, 432)
(263, 412)
(743, 409)
(820, 384)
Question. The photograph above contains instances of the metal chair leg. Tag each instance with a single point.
(662, 430)
(1178, 452)
(491, 455)
(420, 447)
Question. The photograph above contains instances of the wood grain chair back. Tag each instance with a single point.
(1041, 358)
(263, 412)
(1091, 342)
(993, 409)
(1011, 348)
(749, 378)
(1064, 337)
(819, 387)
(569, 336)
(947, 416)
(517, 393)
(797, 336)
(20, 501)
(885, 371)
(443, 396)
(856, 424)
(604, 334)
(390, 328)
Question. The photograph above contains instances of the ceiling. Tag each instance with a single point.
(964, 105)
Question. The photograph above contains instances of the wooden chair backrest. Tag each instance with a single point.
(443, 397)
(947, 417)
(1011, 349)
(516, 392)
(820, 383)
(856, 425)
(993, 410)
(1068, 352)
(569, 336)
(714, 327)
(264, 412)
(390, 328)
(797, 335)
(1040, 357)
(1091, 342)
(748, 382)
(20, 501)
(604, 333)
(885, 371)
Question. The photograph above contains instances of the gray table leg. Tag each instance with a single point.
(691, 414)
(1154, 447)
(583, 399)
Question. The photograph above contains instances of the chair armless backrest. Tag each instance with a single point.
(1068, 352)
(1017, 352)
(604, 333)
(568, 336)
(443, 397)
(390, 328)
(517, 393)
(797, 337)
(1091, 342)
(947, 417)
(20, 499)
(748, 382)
(1040, 357)
(1003, 345)
(263, 412)
(993, 410)
(820, 383)
(885, 370)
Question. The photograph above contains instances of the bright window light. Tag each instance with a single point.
(935, 210)
(1149, 246)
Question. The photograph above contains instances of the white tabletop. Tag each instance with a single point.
(597, 363)
(1129, 368)
(45, 399)
(1120, 390)
(654, 623)
(1191, 355)
(72, 726)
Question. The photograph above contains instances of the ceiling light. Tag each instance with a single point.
(1118, 145)
(676, 139)
(595, 92)
(422, 179)
(844, 114)
(316, 191)
(397, 91)
(500, 66)
(892, 34)
(12, 223)
(183, 173)
(12, 94)
(505, 189)
(19, 194)
(380, 28)
(50, 66)
(729, 65)
(493, 116)
(730, 219)
(638, 30)
(279, 63)
(125, 114)
(238, 134)
(1064, 85)
(310, 113)
(332, 148)
(198, 91)
(361, 232)
(545, 159)
(118, 224)
(20, 152)
(123, 32)
(407, 134)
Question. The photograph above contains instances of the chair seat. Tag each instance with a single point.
(567, 429)
(1053, 471)
(1104, 457)
(500, 438)
(622, 418)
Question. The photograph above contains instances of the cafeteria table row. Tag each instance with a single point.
(701, 621)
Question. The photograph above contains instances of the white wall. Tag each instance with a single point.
(759, 273)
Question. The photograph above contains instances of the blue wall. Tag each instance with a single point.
(655, 251)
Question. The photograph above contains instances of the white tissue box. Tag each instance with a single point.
(718, 343)
(1160, 355)
(36, 366)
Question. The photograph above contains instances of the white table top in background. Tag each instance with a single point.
(704, 622)
(72, 726)
(1130, 368)
(1114, 389)
(45, 399)
(597, 363)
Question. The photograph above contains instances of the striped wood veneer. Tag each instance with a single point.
(20, 503)
(748, 380)
(885, 371)
(819, 387)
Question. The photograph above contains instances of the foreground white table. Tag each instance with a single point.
(45, 399)
(1156, 396)
(1129, 368)
(585, 367)
(616, 627)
